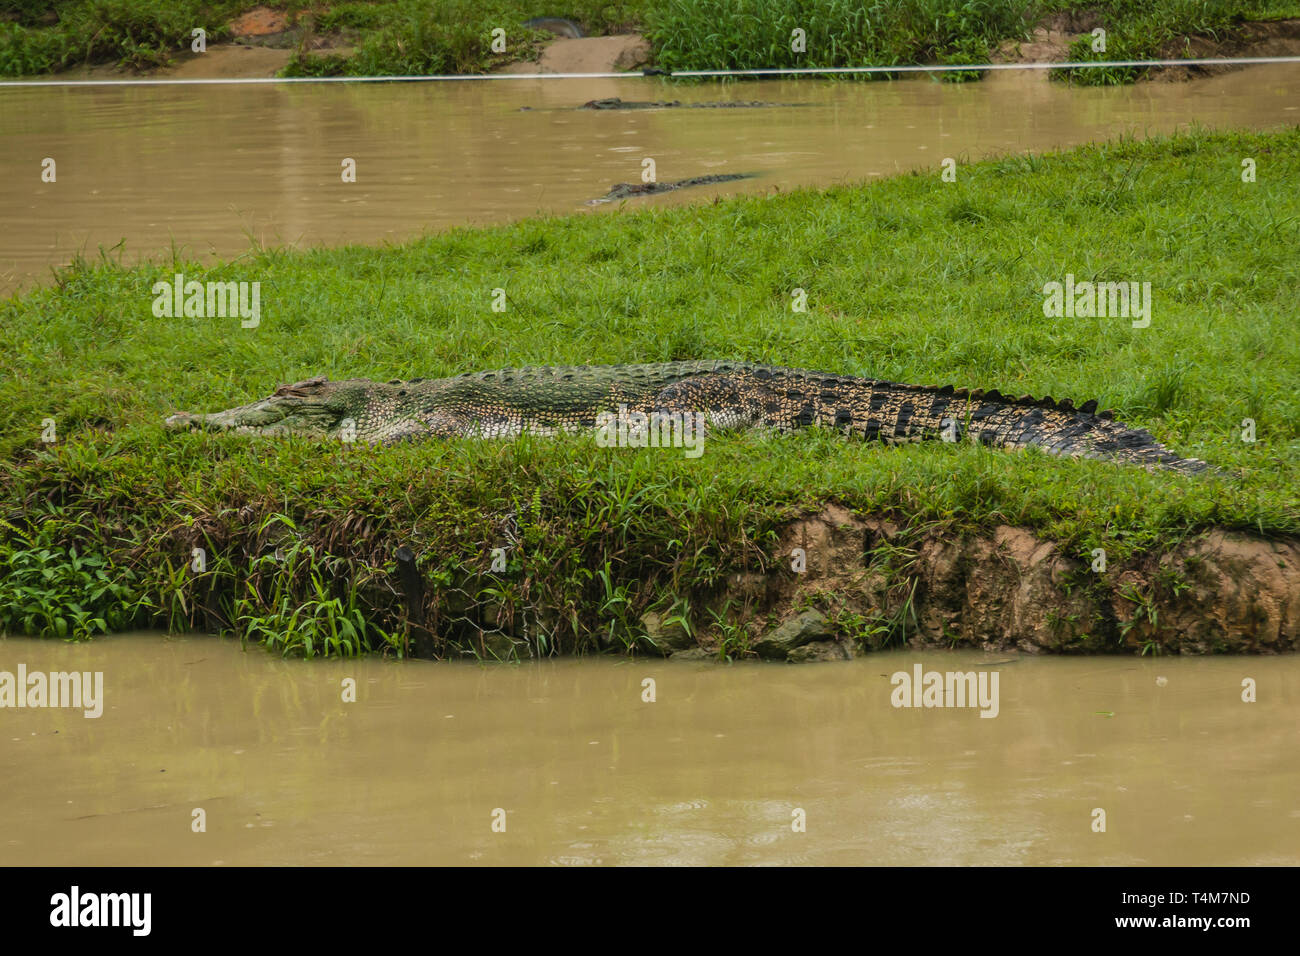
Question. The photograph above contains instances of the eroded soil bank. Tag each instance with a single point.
(1051, 40)
(841, 585)
(865, 583)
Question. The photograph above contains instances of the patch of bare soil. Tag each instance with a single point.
(260, 22)
(1267, 38)
(228, 61)
(1051, 39)
(264, 42)
(870, 582)
(221, 61)
(588, 55)
(1044, 46)
(1050, 43)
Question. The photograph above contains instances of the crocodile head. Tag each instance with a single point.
(315, 408)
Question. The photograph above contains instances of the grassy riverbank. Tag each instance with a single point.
(1160, 29)
(911, 279)
(397, 37)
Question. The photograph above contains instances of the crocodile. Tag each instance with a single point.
(728, 394)
(628, 190)
(616, 103)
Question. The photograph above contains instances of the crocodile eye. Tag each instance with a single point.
(401, 393)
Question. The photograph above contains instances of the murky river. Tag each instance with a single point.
(586, 771)
(212, 168)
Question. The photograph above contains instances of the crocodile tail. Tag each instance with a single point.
(894, 412)
(1062, 428)
(1111, 440)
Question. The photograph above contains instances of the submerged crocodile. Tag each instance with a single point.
(729, 395)
(615, 103)
(628, 190)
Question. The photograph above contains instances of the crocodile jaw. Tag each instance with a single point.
(311, 409)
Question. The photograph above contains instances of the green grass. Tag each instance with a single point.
(753, 34)
(909, 279)
(133, 33)
(401, 37)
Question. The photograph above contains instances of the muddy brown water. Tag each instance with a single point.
(711, 772)
(211, 167)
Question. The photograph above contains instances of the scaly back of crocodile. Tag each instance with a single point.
(551, 399)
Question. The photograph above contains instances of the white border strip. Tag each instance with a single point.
(779, 71)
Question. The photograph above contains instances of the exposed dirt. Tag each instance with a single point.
(588, 55)
(1223, 592)
(228, 61)
(1050, 43)
(1271, 38)
(221, 61)
(260, 22)
(1051, 39)
(264, 42)
(1046, 45)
